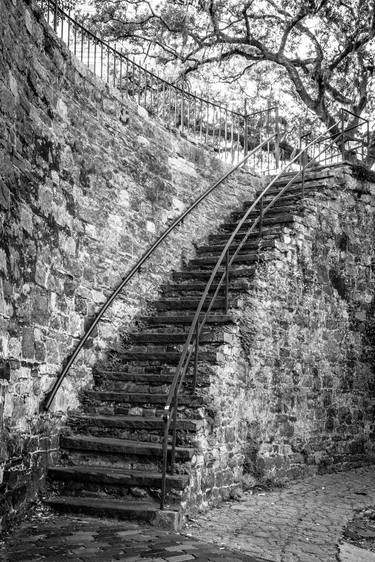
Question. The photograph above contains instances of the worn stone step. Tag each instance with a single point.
(129, 422)
(175, 338)
(152, 385)
(126, 447)
(140, 398)
(310, 178)
(267, 221)
(311, 185)
(268, 233)
(210, 260)
(134, 377)
(117, 477)
(191, 303)
(170, 357)
(253, 245)
(100, 507)
(274, 211)
(204, 274)
(169, 319)
(133, 426)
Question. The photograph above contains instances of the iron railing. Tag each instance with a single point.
(321, 151)
(211, 124)
(250, 157)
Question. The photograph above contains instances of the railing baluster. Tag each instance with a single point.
(101, 62)
(55, 16)
(108, 63)
(62, 18)
(139, 80)
(182, 110)
(163, 103)
(174, 433)
(196, 357)
(146, 85)
(188, 112)
(95, 57)
(200, 120)
(232, 137)
(69, 25)
(261, 218)
(226, 281)
(165, 459)
(114, 65)
(121, 86)
(245, 130)
(207, 119)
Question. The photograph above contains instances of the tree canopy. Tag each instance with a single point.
(324, 50)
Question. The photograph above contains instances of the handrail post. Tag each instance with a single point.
(277, 138)
(165, 458)
(245, 130)
(195, 374)
(342, 134)
(55, 15)
(174, 432)
(261, 218)
(226, 281)
(302, 166)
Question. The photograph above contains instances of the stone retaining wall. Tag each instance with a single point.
(307, 330)
(87, 183)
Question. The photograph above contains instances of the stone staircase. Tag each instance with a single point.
(111, 451)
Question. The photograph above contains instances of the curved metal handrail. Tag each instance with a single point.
(198, 322)
(46, 404)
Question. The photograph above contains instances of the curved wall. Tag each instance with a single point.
(87, 182)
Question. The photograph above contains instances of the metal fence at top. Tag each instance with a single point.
(230, 134)
(352, 141)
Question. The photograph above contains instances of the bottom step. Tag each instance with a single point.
(100, 507)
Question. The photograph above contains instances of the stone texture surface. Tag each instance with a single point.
(84, 539)
(302, 522)
(87, 182)
(307, 333)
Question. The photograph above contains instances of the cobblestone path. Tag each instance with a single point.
(300, 523)
(55, 538)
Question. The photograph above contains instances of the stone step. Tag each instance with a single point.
(129, 422)
(139, 398)
(126, 447)
(174, 338)
(253, 245)
(191, 303)
(134, 377)
(165, 357)
(281, 219)
(210, 260)
(274, 211)
(144, 382)
(138, 511)
(161, 320)
(296, 187)
(204, 274)
(319, 178)
(117, 477)
(268, 233)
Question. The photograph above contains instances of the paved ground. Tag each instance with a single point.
(301, 523)
(84, 539)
